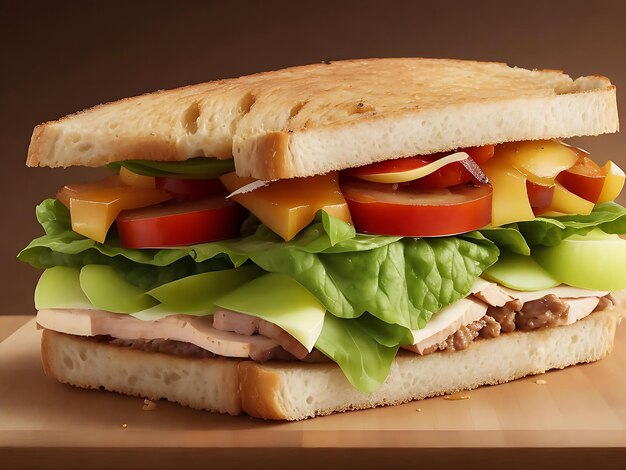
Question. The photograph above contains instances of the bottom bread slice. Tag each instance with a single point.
(295, 390)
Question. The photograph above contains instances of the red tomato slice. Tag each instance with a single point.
(183, 190)
(585, 179)
(450, 175)
(481, 154)
(177, 224)
(407, 211)
(539, 195)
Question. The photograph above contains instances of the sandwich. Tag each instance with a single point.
(331, 237)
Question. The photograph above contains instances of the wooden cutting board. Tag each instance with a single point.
(576, 419)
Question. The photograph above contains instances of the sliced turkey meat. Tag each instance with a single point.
(186, 328)
(227, 320)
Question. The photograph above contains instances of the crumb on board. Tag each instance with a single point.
(124, 425)
(148, 405)
(456, 397)
(419, 409)
(540, 382)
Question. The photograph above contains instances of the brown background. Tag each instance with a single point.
(59, 57)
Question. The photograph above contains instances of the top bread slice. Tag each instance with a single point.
(313, 119)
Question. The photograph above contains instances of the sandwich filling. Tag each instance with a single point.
(226, 333)
(425, 253)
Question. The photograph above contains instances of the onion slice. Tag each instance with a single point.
(470, 165)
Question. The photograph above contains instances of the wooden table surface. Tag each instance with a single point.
(576, 419)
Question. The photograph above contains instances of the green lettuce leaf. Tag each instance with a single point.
(545, 231)
(199, 167)
(542, 231)
(508, 238)
(403, 282)
(364, 348)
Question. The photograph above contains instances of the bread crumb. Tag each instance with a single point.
(124, 425)
(540, 382)
(456, 396)
(148, 405)
(419, 409)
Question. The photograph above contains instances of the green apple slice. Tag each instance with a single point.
(519, 272)
(197, 294)
(596, 261)
(281, 300)
(59, 287)
(108, 291)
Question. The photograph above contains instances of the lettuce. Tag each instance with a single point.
(364, 348)
(543, 231)
(608, 216)
(199, 167)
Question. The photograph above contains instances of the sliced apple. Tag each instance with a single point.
(539, 195)
(594, 261)
(519, 272)
(613, 183)
(540, 160)
(59, 287)
(584, 179)
(106, 290)
(569, 203)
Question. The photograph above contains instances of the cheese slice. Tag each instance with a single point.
(562, 291)
(446, 322)
(580, 308)
(416, 173)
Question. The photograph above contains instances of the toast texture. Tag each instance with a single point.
(310, 120)
(295, 391)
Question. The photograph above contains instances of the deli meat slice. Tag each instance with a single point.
(189, 329)
(580, 308)
(227, 320)
(490, 293)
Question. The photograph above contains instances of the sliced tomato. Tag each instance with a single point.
(407, 211)
(585, 179)
(177, 224)
(450, 175)
(455, 173)
(539, 195)
(183, 190)
(481, 154)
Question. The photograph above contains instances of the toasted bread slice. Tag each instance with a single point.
(313, 119)
(294, 391)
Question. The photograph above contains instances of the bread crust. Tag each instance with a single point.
(259, 388)
(294, 391)
(313, 119)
